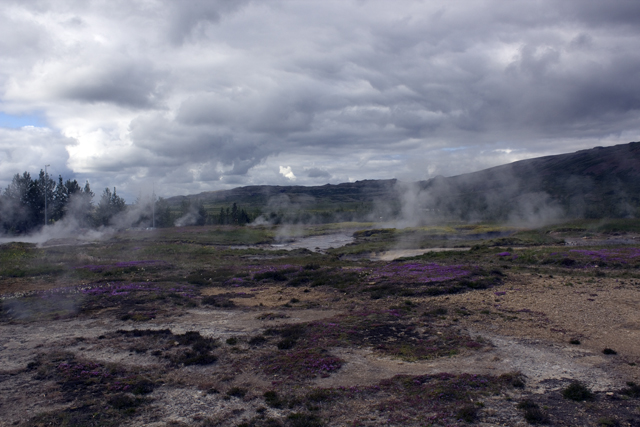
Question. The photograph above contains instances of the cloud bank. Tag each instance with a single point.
(204, 95)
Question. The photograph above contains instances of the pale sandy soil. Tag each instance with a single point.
(600, 313)
(527, 324)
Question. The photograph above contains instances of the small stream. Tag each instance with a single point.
(392, 254)
(337, 240)
(315, 243)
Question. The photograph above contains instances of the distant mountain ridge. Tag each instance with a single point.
(593, 183)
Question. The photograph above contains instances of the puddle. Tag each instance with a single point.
(583, 241)
(312, 243)
(316, 243)
(400, 253)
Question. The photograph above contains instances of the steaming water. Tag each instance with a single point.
(316, 243)
(312, 243)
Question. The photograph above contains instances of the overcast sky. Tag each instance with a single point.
(199, 95)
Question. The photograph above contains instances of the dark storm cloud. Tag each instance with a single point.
(126, 84)
(185, 21)
(317, 173)
(208, 94)
(178, 144)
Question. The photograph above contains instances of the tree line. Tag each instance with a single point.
(27, 204)
(196, 214)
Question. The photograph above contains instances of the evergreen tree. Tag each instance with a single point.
(243, 218)
(73, 187)
(163, 214)
(185, 207)
(60, 200)
(110, 204)
(80, 204)
(22, 202)
(201, 215)
(17, 210)
(234, 214)
(45, 189)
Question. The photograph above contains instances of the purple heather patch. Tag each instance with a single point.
(420, 273)
(621, 255)
(112, 289)
(259, 269)
(122, 264)
(594, 257)
(96, 373)
(119, 288)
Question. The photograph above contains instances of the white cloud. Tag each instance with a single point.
(287, 173)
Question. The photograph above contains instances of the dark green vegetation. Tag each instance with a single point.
(188, 312)
(295, 204)
(23, 202)
(27, 202)
(533, 413)
(577, 391)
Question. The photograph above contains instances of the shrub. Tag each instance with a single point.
(577, 391)
(319, 395)
(632, 391)
(567, 262)
(272, 399)
(218, 301)
(515, 379)
(237, 392)
(200, 349)
(193, 358)
(287, 343)
(257, 340)
(532, 412)
(278, 276)
(143, 386)
(468, 413)
(608, 422)
(304, 420)
(438, 311)
(123, 401)
(609, 351)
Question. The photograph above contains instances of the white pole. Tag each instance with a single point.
(46, 175)
(153, 206)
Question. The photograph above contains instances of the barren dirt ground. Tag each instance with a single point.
(549, 329)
